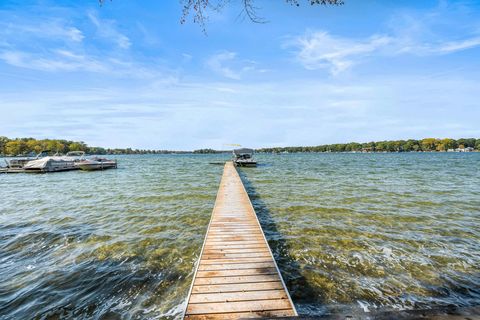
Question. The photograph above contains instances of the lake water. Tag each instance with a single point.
(349, 231)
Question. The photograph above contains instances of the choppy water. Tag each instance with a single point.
(350, 231)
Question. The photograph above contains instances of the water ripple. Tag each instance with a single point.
(349, 231)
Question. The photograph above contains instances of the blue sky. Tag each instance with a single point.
(128, 74)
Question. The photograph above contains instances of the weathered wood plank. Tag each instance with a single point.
(234, 225)
(235, 261)
(235, 255)
(241, 315)
(238, 287)
(238, 306)
(221, 246)
(249, 231)
(236, 250)
(237, 279)
(220, 242)
(226, 234)
(238, 296)
(236, 274)
(235, 232)
(232, 266)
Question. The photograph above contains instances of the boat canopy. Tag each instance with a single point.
(37, 164)
(242, 151)
(44, 162)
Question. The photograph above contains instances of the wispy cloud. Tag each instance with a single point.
(320, 50)
(53, 29)
(60, 60)
(288, 113)
(56, 60)
(460, 45)
(229, 66)
(56, 45)
(218, 61)
(409, 33)
(107, 29)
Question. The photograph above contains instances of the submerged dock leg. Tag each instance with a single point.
(236, 276)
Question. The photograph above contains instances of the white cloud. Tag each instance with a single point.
(320, 50)
(217, 64)
(59, 60)
(460, 45)
(55, 29)
(434, 32)
(55, 45)
(229, 66)
(107, 29)
(13, 58)
(278, 113)
(75, 35)
(187, 57)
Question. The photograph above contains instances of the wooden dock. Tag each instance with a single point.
(236, 275)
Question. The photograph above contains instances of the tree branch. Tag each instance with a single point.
(200, 8)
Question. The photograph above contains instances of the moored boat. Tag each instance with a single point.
(16, 164)
(96, 164)
(244, 158)
(55, 163)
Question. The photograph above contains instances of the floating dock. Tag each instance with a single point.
(236, 275)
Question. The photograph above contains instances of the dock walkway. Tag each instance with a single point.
(236, 276)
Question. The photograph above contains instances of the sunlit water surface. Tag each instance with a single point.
(349, 231)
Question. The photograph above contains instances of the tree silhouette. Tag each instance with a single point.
(199, 9)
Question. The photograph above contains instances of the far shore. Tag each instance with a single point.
(31, 147)
(258, 152)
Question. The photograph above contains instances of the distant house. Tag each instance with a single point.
(467, 149)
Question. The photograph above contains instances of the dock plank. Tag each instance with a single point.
(236, 272)
(236, 275)
(235, 260)
(240, 315)
(237, 279)
(232, 266)
(238, 287)
(238, 296)
(221, 246)
(235, 250)
(238, 306)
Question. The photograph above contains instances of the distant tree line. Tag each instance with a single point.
(427, 144)
(30, 146)
(209, 151)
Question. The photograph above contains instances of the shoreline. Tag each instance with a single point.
(260, 152)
